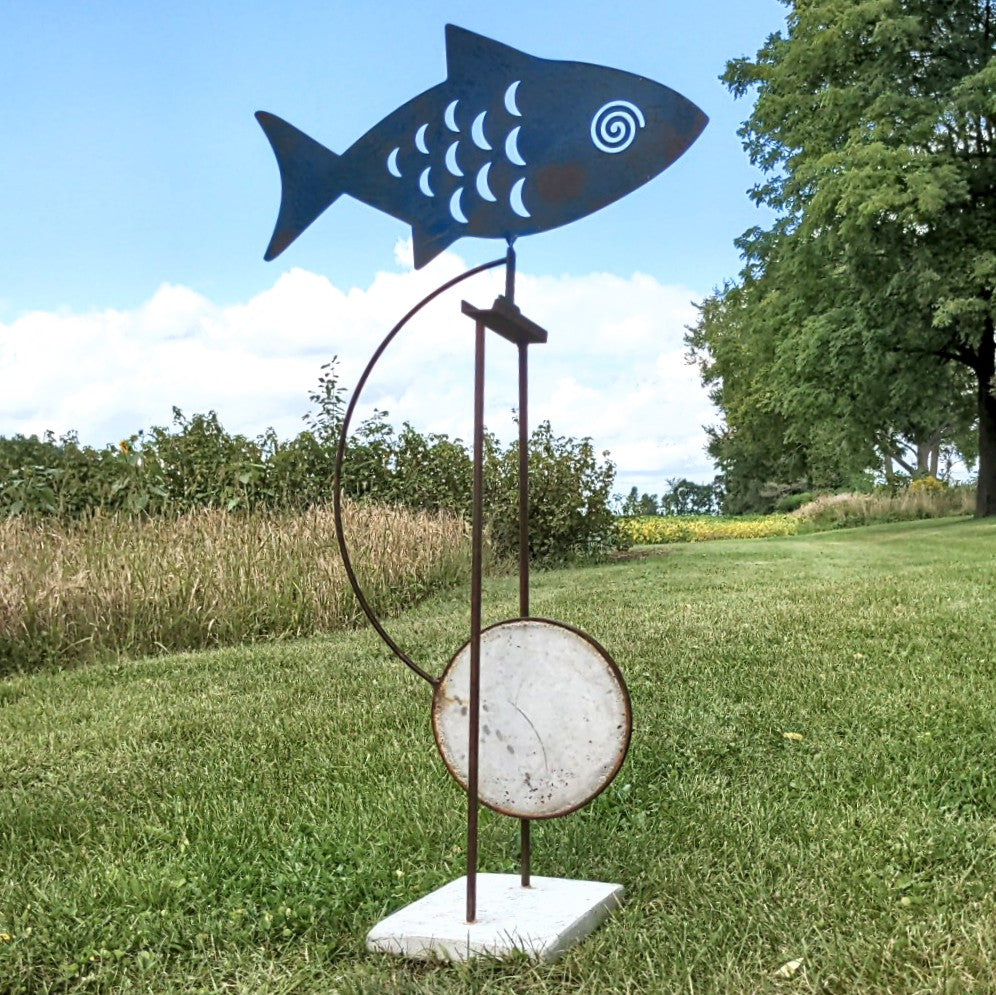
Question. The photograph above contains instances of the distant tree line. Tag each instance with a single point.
(683, 497)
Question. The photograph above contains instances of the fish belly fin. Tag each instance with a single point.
(467, 53)
(309, 180)
(427, 245)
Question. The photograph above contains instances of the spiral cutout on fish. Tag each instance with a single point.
(616, 125)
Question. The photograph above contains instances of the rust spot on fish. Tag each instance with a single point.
(559, 183)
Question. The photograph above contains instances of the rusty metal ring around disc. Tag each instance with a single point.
(555, 718)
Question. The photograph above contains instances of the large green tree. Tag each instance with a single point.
(868, 305)
(760, 451)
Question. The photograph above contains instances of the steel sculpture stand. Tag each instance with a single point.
(341, 452)
(539, 916)
(507, 145)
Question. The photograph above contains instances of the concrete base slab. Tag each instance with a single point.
(541, 921)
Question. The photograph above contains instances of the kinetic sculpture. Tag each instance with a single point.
(531, 716)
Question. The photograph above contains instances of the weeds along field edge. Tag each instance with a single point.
(129, 585)
(118, 584)
(830, 511)
(836, 511)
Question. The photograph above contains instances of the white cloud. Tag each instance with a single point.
(613, 368)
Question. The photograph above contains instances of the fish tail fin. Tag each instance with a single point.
(309, 180)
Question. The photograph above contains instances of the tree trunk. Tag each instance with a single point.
(985, 499)
(887, 461)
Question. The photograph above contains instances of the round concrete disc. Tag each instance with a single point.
(555, 718)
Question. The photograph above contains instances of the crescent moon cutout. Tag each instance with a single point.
(423, 182)
(455, 209)
(510, 104)
(420, 140)
(512, 147)
(515, 198)
(477, 132)
(392, 163)
(483, 188)
(450, 116)
(451, 160)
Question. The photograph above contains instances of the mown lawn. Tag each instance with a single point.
(234, 821)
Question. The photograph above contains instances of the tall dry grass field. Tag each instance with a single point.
(117, 584)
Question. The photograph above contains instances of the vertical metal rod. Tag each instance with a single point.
(525, 845)
(523, 481)
(524, 850)
(476, 570)
(524, 840)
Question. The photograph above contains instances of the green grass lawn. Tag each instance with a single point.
(235, 821)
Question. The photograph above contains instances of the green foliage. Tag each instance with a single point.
(862, 322)
(789, 502)
(683, 497)
(569, 495)
(195, 463)
(431, 471)
(60, 477)
(760, 449)
(636, 503)
(201, 466)
(329, 399)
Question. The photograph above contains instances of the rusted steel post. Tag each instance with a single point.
(523, 347)
(476, 571)
(524, 839)
(523, 482)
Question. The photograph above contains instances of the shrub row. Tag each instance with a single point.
(195, 464)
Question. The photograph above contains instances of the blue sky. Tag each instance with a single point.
(137, 194)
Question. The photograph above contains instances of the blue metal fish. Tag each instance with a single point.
(508, 145)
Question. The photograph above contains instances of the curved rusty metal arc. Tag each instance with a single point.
(341, 451)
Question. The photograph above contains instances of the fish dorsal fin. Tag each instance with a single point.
(472, 56)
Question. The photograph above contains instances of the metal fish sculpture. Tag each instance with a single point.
(508, 145)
